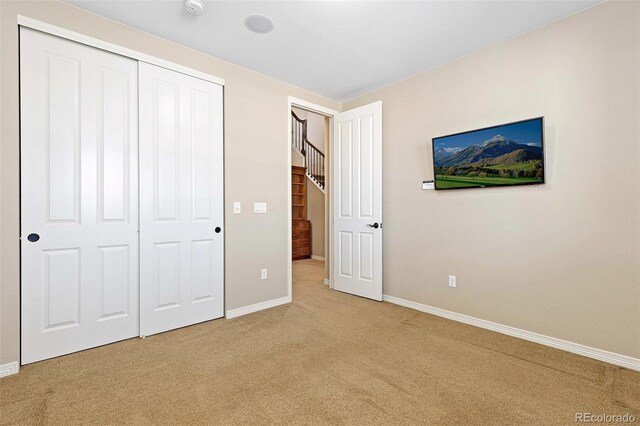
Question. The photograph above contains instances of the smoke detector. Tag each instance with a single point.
(194, 7)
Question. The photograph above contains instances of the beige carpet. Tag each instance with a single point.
(328, 358)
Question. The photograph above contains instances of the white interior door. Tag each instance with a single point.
(79, 197)
(181, 200)
(357, 201)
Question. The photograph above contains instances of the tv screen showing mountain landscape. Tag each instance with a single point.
(509, 154)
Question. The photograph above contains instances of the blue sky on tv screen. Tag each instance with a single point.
(527, 132)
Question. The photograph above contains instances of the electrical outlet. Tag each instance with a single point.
(237, 207)
(263, 274)
(452, 280)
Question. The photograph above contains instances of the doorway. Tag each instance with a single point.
(309, 186)
(353, 211)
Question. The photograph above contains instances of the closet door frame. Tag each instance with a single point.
(89, 41)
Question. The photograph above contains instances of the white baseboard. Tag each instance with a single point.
(576, 348)
(9, 369)
(314, 257)
(233, 313)
(326, 281)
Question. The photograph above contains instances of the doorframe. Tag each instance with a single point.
(331, 114)
(86, 40)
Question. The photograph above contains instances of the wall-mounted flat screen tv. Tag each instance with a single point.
(505, 155)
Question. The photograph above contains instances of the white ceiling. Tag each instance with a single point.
(340, 49)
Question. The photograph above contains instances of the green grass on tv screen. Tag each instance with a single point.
(445, 181)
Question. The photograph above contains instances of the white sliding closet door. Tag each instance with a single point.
(181, 200)
(79, 197)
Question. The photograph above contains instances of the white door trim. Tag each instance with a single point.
(331, 113)
(114, 48)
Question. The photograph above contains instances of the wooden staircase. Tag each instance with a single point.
(313, 157)
(300, 226)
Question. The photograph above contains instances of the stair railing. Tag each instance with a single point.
(313, 157)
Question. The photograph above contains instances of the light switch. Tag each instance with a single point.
(237, 207)
(259, 207)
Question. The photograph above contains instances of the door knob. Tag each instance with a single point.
(33, 237)
(373, 225)
(218, 229)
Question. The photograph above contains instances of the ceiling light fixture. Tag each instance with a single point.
(259, 24)
(194, 7)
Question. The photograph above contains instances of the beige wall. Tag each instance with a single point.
(315, 214)
(256, 166)
(296, 158)
(562, 259)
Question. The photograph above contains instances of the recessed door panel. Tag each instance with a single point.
(181, 200)
(166, 152)
(113, 145)
(167, 276)
(366, 261)
(115, 281)
(78, 192)
(203, 270)
(202, 149)
(62, 288)
(61, 104)
(366, 166)
(345, 169)
(345, 255)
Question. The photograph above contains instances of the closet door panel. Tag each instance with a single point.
(181, 254)
(79, 198)
(114, 148)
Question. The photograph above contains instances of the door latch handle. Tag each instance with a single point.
(375, 225)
